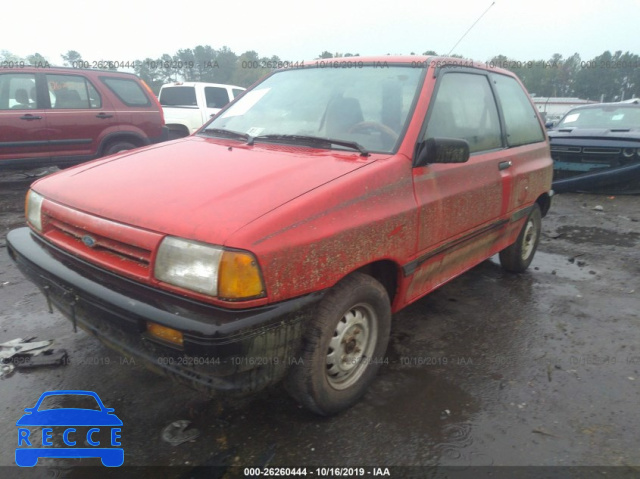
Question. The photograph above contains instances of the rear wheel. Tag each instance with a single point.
(118, 146)
(517, 257)
(343, 346)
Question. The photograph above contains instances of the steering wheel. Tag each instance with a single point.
(389, 136)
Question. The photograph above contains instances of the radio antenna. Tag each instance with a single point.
(474, 24)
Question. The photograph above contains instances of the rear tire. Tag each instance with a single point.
(118, 146)
(343, 346)
(517, 257)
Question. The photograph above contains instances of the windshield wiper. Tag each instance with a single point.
(312, 140)
(221, 132)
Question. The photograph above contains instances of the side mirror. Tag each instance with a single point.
(442, 150)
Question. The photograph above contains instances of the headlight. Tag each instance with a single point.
(208, 269)
(33, 208)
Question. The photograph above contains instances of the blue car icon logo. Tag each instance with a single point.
(69, 432)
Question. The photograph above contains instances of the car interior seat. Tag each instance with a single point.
(342, 113)
(22, 97)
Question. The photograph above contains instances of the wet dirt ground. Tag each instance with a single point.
(493, 369)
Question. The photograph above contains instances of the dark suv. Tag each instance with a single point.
(63, 116)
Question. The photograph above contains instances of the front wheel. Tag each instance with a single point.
(517, 257)
(343, 346)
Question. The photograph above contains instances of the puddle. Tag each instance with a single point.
(597, 236)
(574, 268)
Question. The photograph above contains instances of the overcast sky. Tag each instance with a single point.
(125, 30)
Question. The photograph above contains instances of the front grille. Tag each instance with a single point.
(113, 246)
(583, 159)
(591, 150)
(101, 243)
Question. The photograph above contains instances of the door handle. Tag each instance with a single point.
(103, 116)
(503, 165)
(30, 117)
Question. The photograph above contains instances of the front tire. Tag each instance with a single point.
(517, 257)
(343, 346)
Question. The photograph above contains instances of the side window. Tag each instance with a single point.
(178, 96)
(72, 92)
(464, 108)
(521, 122)
(18, 91)
(236, 92)
(129, 92)
(216, 97)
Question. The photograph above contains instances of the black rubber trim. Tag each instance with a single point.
(411, 267)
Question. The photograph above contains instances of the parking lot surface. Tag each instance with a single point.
(493, 369)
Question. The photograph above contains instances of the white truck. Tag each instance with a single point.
(189, 105)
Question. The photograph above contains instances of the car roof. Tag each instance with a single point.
(596, 106)
(69, 70)
(417, 61)
(194, 83)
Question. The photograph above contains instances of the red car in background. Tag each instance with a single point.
(64, 116)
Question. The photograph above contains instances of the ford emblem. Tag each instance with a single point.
(89, 241)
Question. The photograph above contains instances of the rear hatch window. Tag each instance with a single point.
(178, 96)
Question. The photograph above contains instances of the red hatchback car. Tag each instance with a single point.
(277, 241)
(64, 116)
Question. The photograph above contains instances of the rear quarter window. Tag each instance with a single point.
(520, 117)
(129, 92)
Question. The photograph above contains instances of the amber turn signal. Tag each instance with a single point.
(239, 276)
(166, 334)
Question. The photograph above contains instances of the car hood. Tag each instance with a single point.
(198, 188)
(604, 133)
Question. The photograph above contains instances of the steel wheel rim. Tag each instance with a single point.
(351, 347)
(529, 239)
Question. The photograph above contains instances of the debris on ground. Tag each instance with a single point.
(598, 208)
(47, 358)
(6, 370)
(27, 353)
(543, 433)
(178, 432)
(22, 346)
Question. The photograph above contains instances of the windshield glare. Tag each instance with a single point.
(368, 105)
(608, 117)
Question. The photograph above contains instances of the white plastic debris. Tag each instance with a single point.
(20, 346)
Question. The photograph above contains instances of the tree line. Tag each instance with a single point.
(606, 77)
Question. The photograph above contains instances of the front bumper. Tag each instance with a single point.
(620, 179)
(235, 351)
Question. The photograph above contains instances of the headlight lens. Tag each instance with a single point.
(208, 269)
(33, 207)
(188, 264)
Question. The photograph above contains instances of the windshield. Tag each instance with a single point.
(367, 105)
(609, 117)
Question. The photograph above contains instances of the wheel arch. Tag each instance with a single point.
(386, 273)
(544, 202)
(129, 137)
